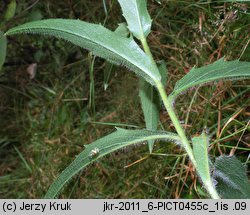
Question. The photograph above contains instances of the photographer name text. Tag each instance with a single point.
(42, 207)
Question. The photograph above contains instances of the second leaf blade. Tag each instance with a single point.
(137, 17)
(150, 101)
(112, 142)
(232, 70)
(200, 149)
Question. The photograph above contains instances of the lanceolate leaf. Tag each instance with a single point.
(220, 69)
(137, 17)
(151, 103)
(231, 178)
(200, 149)
(101, 41)
(3, 46)
(117, 140)
(150, 106)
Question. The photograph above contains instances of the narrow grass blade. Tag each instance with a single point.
(3, 48)
(27, 166)
(94, 151)
(108, 73)
(101, 41)
(219, 70)
(91, 84)
(137, 17)
(231, 178)
(105, 7)
(200, 149)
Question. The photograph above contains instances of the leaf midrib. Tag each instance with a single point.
(139, 20)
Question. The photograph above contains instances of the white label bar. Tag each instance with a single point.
(123, 207)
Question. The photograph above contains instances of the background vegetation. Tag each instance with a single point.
(74, 98)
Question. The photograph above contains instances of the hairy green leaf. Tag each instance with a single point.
(101, 41)
(231, 178)
(233, 70)
(200, 149)
(137, 17)
(151, 102)
(3, 47)
(110, 143)
(150, 106)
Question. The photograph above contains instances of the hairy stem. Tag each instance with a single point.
(210, 188)
(169, 108)
(176, 123)
(184, 141)
(147, 50)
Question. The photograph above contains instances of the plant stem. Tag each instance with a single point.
(184, 141)
(175, 121)
(169, 108)
(147, 49)
(210, 188)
